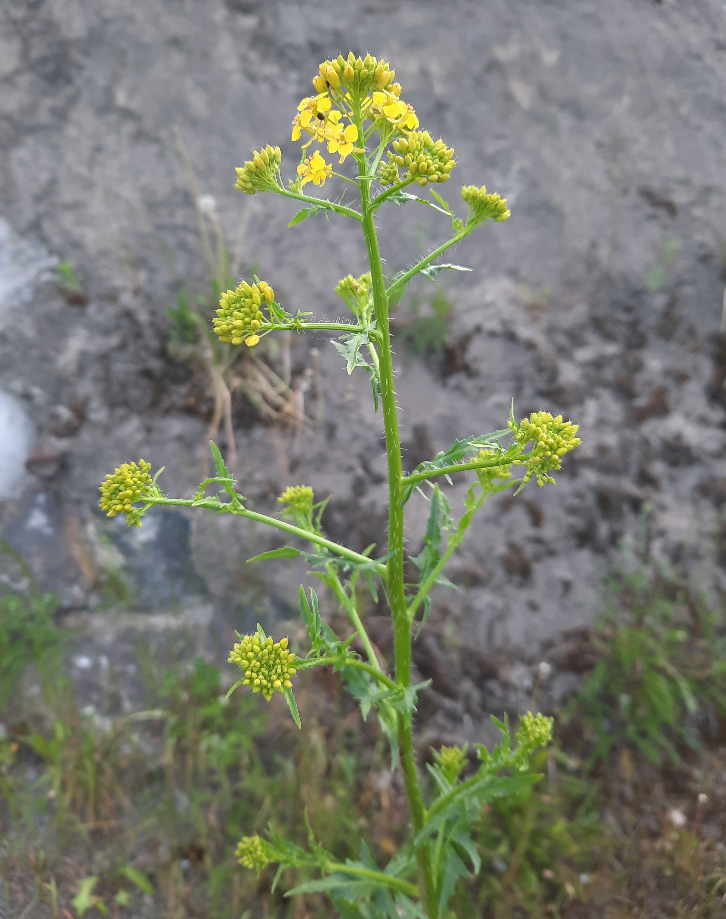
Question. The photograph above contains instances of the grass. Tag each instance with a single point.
(139, 814)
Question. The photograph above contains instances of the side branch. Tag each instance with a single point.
(234, 507)
(415, 477)
(404, 279)
(322, 203)
(309, 662)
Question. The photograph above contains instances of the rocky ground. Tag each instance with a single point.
(601, 298)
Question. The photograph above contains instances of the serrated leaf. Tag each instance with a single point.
(218, 461)
(284, 552)
(432, 270)
(340, 884)
(292, 705)
(305, 213)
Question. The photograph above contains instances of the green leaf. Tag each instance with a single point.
(218, 461)
(123, 898)
(340, 885)
(292, 705)
(139, 878)
(454, 869)
(305, 213)
(84, 899)
(432, 270)
(285, 552)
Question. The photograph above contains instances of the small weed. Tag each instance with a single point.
(658, 276)
(427, 333)
(662, 662)
(66, 278)
(28, 633)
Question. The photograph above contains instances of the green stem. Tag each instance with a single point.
(320, 202)
(349, 605)
(379, 199)
(404, 279)
(458, 467)
(395, 581)
(451, 545)
(309, 662)
(332, 326)
(231, 508)
(381, 879)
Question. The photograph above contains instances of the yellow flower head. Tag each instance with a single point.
(240, 317)
(341, 140)
(122, 488)
(253, 852)
(552, 437)
(354, 75)
(267, 665)
(314, 170)
(386, 105)
(313, 113)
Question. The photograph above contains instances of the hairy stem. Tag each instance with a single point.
(404, 279)
(415, 477)
(349, 605)
(320, 202)
(395, 582)
(236, 508)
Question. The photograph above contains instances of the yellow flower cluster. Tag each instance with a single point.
(259, 173)
(314, 170)
(388, 106)
(299, 499)
(534, 731)
(240, 316)
(353, 74)
(552, 437)
(483, 206)
(122, 488)
(267, 666)
(253, 852)
(425, 160)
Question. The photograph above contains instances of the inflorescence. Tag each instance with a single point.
(267, 665)
(240, 317)
(483, 206)
(260, 173)
(423, 159)
(552, 437)
(253, 852)
(122, 488)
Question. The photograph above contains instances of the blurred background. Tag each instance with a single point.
(125, 780)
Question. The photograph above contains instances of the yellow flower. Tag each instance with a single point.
(252, 341)
(314, 170)
(342, 139)
(396, 111)
(313, 111)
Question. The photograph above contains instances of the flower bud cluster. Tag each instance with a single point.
(451, 760)
(483, 206)
(533, 731)
(122, 488)
(267, 666)
(552, 437)
(240, 316)
(260, 173)
(253, 852)
(489, 474)
(356, 292)
(355, 75)
(425, 160)
(299, 500)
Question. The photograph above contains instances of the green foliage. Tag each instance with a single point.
(427, 333)
(660, 274)
(186, 323)
(662, 660)
(28, 633)
(66, 277)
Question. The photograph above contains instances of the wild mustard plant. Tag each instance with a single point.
(358, 114)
